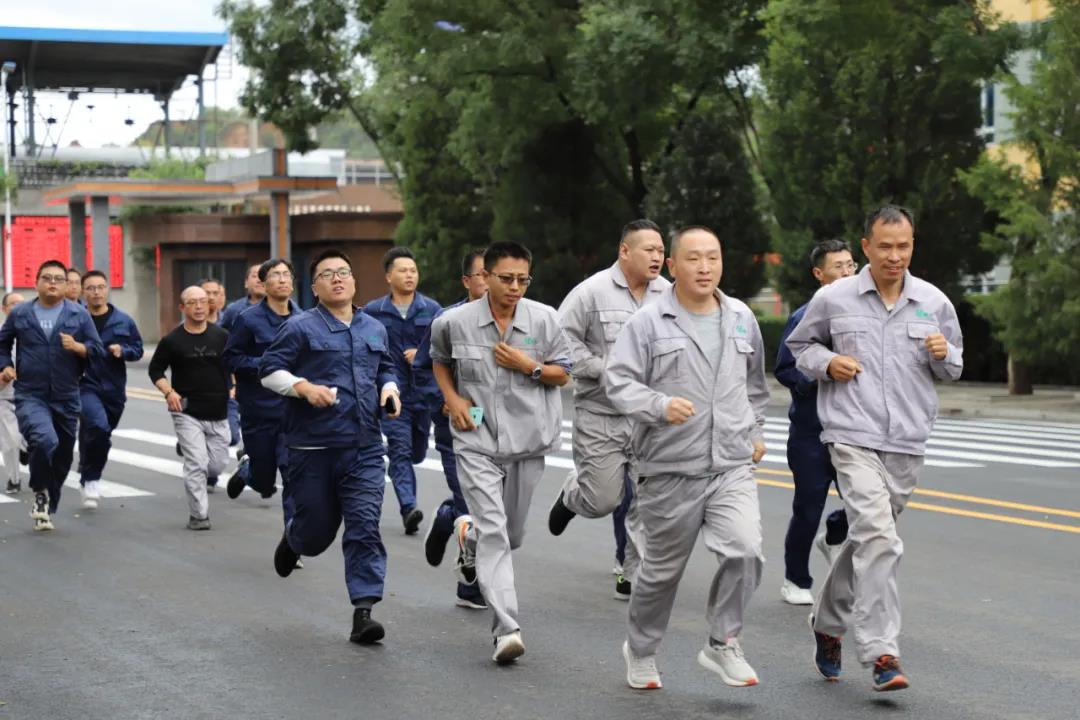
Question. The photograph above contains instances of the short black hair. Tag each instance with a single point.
(393, 254)
(823, 248)
(74, 270)
(52, 263)
(499, 250)
(888, 214)
(326, 255)
(213, 280)
(469, 259)
(264, 268)
(94, 273)
(637, 225)
(678, 235)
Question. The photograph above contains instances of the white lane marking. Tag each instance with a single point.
(108, 488)
(146, 436)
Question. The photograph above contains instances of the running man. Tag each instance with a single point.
(875, 342)
(197, 397)
(255, 292)
(407, 315)
(689, 370)
(592, 316)
(50, 339)
(808, 459)
(334, 365)
(500, 362)
(103, 391)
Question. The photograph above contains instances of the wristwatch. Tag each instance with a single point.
(537, 372)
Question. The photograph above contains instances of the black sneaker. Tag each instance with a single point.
(195, 523)
(39, 512)
(412, 521)
(365, 630)
(559, 516)
(622, 588)
(236, 483)
(439, 531)
(13, 487)
(24, 457)
(179, 452)
(285, 558)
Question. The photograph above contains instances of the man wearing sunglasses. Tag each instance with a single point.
(500, 362)
(333, 364)
(54, 338)
(406, 314)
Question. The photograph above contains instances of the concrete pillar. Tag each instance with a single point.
(280, 230)
(99, 228)
(77, 217)
(202, 116)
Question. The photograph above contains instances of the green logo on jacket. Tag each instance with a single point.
(920, 313)
(530, 340)
(741, 329)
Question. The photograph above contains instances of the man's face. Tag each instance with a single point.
(253, 285)
(403, 276)
(475, 282)
(12, 300)
(508, 280)
(279, 282)
(96, 292)
(73, 289)
(52, 284)
(329, 286)
(642, 255)
(697, 264)
(216, 294)
(889, 249)
(195, 304)
(836, 265)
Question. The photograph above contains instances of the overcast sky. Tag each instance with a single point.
(105, 122)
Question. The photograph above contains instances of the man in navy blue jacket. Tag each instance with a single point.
(407, 316)
(333, 364)
(808, 458)
(262, 411)
(54, 339)
(103, 391)
(254, 290)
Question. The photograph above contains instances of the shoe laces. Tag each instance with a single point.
(732, 647)
(887, 662)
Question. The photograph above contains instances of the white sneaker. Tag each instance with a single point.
(792, 594)
(829, 551)
(641, 672)
(508, 648)
(91, 494)
(617, 568)
(728, 662)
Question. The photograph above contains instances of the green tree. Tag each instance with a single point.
(545, 122)
(1037, 314)
(872, 101)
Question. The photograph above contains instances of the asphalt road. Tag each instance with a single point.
(123, 613)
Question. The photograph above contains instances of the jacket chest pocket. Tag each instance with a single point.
(849, 335)
(744, 353)
(669, 361)
(611, 323)
(470, 362)
(914, 340)
(520, 378)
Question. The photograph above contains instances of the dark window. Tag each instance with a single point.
(231, 272)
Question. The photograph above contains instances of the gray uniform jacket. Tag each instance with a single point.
(592, 316)
(658, 356)
(892, 403)
(522, 416)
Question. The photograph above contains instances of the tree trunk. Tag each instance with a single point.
(1019, 377)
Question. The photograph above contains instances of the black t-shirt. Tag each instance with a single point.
(100, 320)
(198, 371)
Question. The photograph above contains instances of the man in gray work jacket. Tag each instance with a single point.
(500, 362)
(689, 370)
(592, 316)
(875, 342)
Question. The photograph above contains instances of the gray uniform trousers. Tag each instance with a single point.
(860, 590)
(498, 495)
(204, 445)
(603, 457)
(673, 510)
(10, 439)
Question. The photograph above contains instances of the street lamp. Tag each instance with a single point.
(7, 68)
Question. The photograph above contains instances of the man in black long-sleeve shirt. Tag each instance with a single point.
(197, 396)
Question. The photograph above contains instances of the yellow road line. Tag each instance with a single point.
(955, 511)
(974, 499)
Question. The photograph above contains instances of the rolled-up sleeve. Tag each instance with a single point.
(441, 347)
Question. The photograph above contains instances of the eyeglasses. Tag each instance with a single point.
(849, 265)
(95, 288)
(344, 273)
(196, 303)
(522, 280)
(53, 278)
(285, 275)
